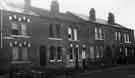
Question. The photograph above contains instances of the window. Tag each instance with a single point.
(71, 55)
(83, 52)
(25, 53)
(126, 37)
(23, 29)
(126, 52)
(15, 51)
(59, 53)
(97, 52)
(101, 51)
(55, 54)
(52, 53)
(51, 30)
(58, 26)
(116, 35)
(55, 30)
(96, 33)
(14, 28)
(75, 34)
(99, 34)
(76, 51)
(119, 36)
(70, 33)
(92, 56)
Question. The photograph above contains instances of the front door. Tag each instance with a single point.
(76, 52)
(42, 55)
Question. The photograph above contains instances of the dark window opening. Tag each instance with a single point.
(59, 53)
(70, 53)
(52, 53)
(15, 32)
(51, 30)
(58, 30)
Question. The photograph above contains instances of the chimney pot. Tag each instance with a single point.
(111, 18)
(92, 14)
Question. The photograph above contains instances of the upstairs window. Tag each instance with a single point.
(119, 36)
(96, 33)
(19, 25)
(51, 30)
(99, 34)
(126, 38)
(116, 36)
(72, 33)
(75, 34)
(54, 30)
(23, 29)
(15, 28)
(58, 26)
(70, 36)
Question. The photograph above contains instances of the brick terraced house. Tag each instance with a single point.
(53, 39)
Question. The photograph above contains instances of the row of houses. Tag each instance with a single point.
(53, 39)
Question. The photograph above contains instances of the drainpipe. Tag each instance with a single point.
(1, 25)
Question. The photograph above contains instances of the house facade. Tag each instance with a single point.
(49, 39)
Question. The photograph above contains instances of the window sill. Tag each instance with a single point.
(20, 36)
(55, 38)
(20, 62)
(128, 42)
(99, 39)
(71, 60)
(8, 38)
(74, 40)
(55, 60)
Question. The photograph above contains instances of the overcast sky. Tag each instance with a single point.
(124, 10)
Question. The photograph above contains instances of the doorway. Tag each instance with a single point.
(42, 56)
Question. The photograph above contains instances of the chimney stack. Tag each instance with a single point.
(55, 6)
(27, 5)
(111, 18)
(92, 15)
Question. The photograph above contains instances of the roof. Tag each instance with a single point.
(98, 20)
(46, 13)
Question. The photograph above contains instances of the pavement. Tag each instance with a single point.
(119, 71)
